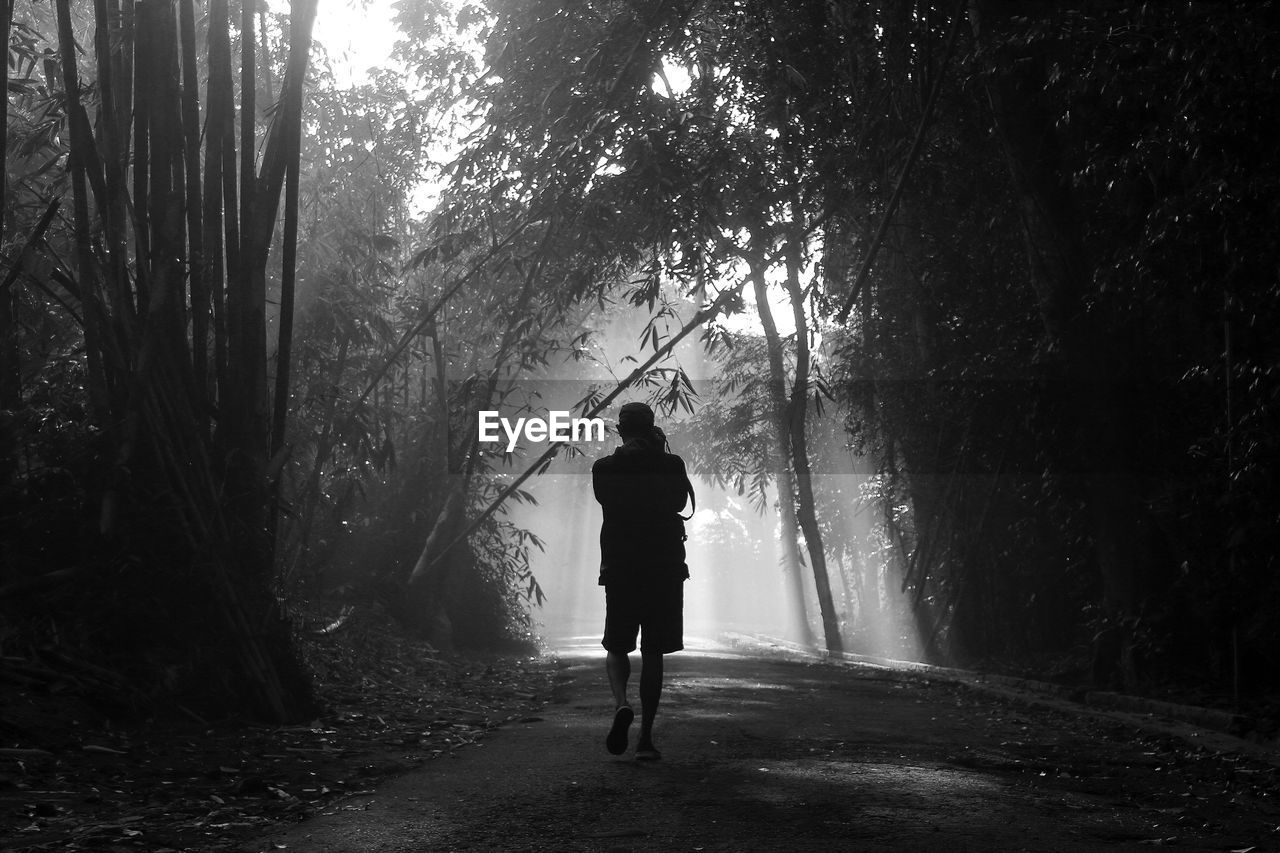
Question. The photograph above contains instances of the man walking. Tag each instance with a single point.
(642, 489)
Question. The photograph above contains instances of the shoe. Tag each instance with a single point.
(616, 742)
(647, 752)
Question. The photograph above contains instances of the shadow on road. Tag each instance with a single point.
(764, 754)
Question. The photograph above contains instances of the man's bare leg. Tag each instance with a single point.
(618, 666)
(650, 696)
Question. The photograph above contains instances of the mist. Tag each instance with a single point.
(738, 586)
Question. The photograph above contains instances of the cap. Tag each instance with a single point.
(635, 416)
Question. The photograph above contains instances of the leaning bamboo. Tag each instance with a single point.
(540, 464)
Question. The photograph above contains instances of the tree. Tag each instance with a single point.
(696, 188)
(736, 441)
(146, 271)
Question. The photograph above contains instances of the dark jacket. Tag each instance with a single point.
(642, 490)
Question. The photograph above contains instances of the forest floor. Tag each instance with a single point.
(417, 752)
(75, 778)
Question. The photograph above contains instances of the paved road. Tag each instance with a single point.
(776, 755)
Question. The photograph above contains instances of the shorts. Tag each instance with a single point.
(653, 609)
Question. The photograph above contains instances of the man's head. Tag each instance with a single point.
(635, 420)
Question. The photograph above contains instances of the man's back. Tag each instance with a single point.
(641, 489)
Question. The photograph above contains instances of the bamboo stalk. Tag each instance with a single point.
(98, 396)
(207, 296)
(291, 115)
(243, 344)
(6, 21)
(167, 196)
(248, 116)
(278, 144)
(10, 368)
(124, 66)
(114, 211)
(197, 260)
(220, 193)
(188, 467)
(143, 43)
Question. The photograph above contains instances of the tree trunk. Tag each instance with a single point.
(792, 563)
(866, 587)
(780, 419)
(797, 416)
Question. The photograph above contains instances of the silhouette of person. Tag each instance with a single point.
(641, 488)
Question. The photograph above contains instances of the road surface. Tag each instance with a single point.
(767, 754)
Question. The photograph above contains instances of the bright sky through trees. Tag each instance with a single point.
(358, 35)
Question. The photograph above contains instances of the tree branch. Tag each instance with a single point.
(543, 460)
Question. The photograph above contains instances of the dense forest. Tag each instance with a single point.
(1016, 262)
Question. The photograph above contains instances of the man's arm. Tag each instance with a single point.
(600, 480)
(681, 489)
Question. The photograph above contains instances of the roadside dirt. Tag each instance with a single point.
(86, 769)
(777, 755)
